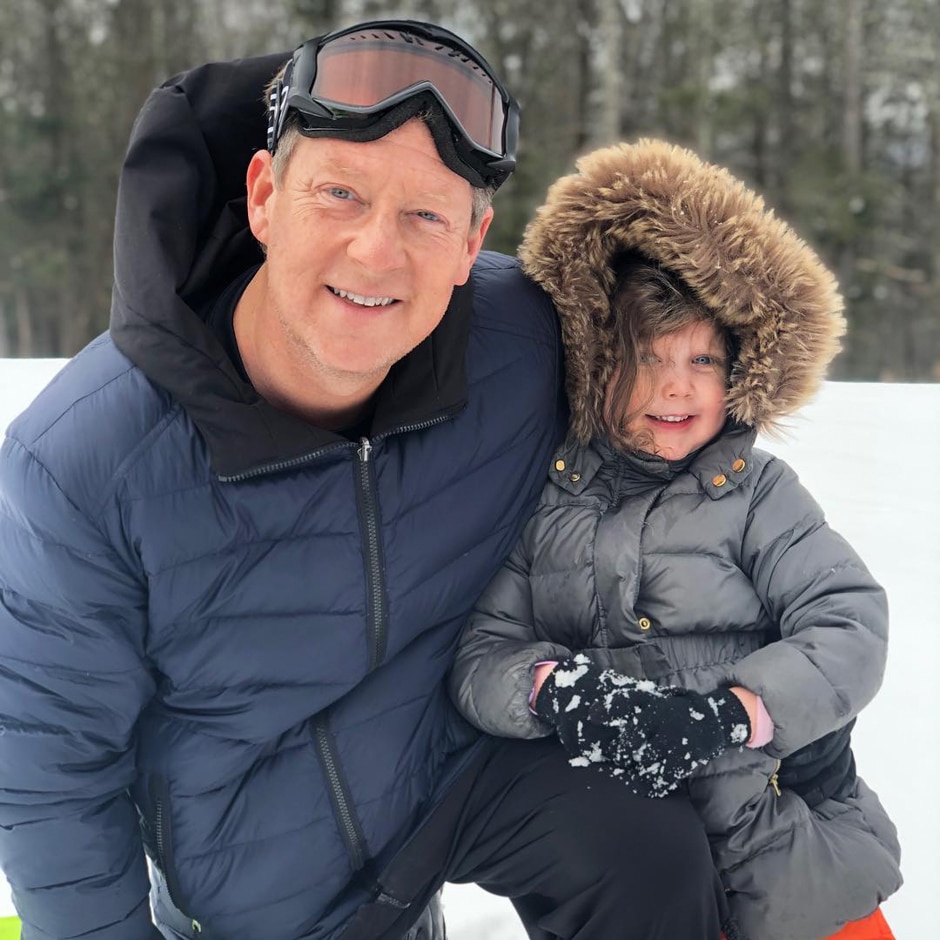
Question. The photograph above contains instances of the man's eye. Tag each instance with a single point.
(340, 193)
(428, 216)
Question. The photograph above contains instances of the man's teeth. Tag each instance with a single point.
(362, 300)
(674, 418)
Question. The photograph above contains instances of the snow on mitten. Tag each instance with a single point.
(569, 700)
(667, 732)
(655, 735)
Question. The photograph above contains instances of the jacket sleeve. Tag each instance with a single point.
(831, 613)
(492, 676)
(72, 684)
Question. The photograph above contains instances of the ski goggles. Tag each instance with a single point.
(360, 83)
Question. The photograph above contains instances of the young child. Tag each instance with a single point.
(677, 610)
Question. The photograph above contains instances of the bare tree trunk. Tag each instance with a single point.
(24, 326)
(852, 89)
(580, 87)
(703, 37)
(4, 331)
(785, 106)
(932, 293)
(758, 77)
(607, 126)
(852, 150)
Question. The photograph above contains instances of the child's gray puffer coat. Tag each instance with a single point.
(719, 574)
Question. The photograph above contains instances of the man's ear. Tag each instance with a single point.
(475, 243)
(259, 183)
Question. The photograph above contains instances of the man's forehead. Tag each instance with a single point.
(412, 146)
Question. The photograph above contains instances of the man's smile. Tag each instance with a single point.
(361, 299)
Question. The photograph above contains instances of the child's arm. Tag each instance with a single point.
(491, 680)
(831, 612)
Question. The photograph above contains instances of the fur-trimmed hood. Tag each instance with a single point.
(749, 268)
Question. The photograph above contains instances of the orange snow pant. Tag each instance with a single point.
(873, 927)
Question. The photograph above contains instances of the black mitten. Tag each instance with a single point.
(571, 700)
(655, 735)
(667, 733)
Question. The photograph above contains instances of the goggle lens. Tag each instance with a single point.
(365, 72)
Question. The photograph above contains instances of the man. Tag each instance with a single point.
(240, 533)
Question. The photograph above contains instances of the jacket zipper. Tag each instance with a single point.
(280, 466)
(369, 523)
(774, 779)
(161, 844)
(376, 599)
(339, 794)
(162, 857)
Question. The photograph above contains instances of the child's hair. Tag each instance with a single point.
(647, 302)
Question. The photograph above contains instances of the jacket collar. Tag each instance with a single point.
(719, 467)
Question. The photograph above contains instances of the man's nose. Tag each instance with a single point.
(376, 242)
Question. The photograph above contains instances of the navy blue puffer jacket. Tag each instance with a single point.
(224, 633)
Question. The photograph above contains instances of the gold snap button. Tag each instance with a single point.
(574, 477)
(720, 480)
(645, 623)
(738, 465)
(559, 465)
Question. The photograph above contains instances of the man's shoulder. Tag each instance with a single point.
(95, 412)
(505, 299)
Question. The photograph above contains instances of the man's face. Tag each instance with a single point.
(365, 243)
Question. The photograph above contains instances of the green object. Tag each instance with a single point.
(9, 928)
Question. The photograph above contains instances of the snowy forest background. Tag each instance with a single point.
(831, 108)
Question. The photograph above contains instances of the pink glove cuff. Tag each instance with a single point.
(763, 731)
(544, 662)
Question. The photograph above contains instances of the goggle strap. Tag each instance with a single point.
(277, 106)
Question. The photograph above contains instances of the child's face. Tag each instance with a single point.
(679, 396)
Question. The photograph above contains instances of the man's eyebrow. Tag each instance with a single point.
(335, 166)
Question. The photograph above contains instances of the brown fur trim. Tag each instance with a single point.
(749, 268)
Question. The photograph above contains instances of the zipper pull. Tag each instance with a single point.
(775, 780)
(197, 927)
(365, 449)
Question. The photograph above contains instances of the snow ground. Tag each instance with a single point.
(869, 453)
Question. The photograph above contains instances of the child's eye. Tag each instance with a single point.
(710, 362)
(648, 359)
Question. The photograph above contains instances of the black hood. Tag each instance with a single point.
(181, 236)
